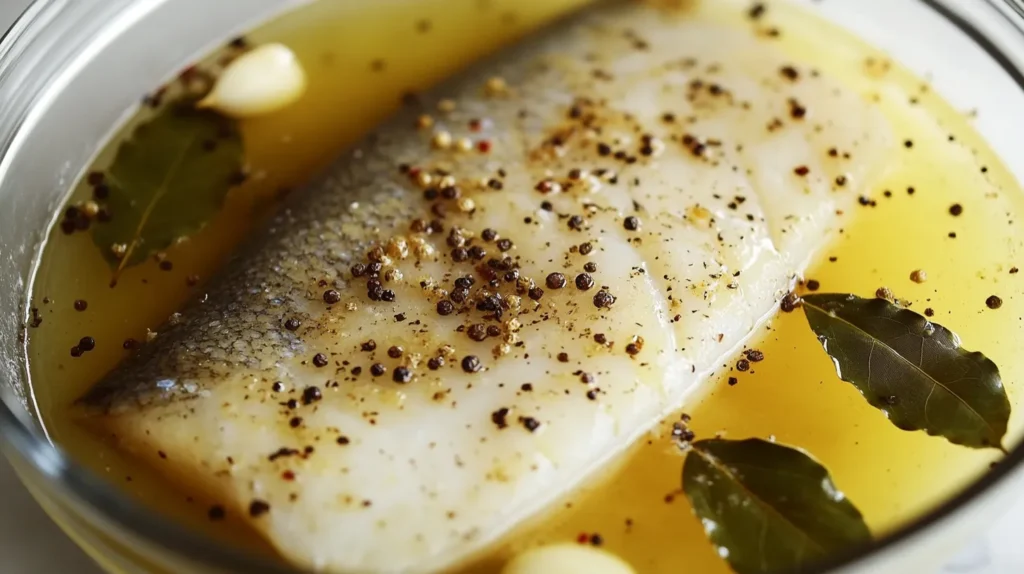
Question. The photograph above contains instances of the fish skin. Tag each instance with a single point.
(411, 477)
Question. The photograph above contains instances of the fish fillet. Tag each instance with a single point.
(402, 422)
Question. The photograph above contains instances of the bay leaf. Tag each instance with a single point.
(167, 180)
(768, 507)
(911, 369)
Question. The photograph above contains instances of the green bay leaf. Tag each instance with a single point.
(911, 369)
(168, 179)
(768, 507)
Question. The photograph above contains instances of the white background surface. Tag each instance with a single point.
(31, 544)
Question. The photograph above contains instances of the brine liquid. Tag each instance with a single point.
(357, 76)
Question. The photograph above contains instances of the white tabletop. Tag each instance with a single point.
(31, 544)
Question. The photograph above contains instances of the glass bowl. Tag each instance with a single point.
(71, 71)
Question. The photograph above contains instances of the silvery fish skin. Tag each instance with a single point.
(389, 436)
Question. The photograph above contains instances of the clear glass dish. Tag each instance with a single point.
(70, 71)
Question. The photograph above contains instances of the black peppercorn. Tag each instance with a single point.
(378, 369)
(258, 508)
(331, 296)
(555, 281)
(459, 295)
(603, 299)
(477, 332)
(471, 364)
(320, 360)
(402, 375)
(375, 292)
(789, 303)
(311, 395)
(87, 344)
(498, 417)
(530, 423)
(445, 307)
(584, 282)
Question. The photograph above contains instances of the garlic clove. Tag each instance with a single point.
(265, 80)
(567, 559)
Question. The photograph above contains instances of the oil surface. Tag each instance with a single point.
(904, 224)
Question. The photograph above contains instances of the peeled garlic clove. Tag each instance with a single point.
(262, 81)
(567, 559)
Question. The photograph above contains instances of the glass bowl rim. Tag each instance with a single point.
(102, 499)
